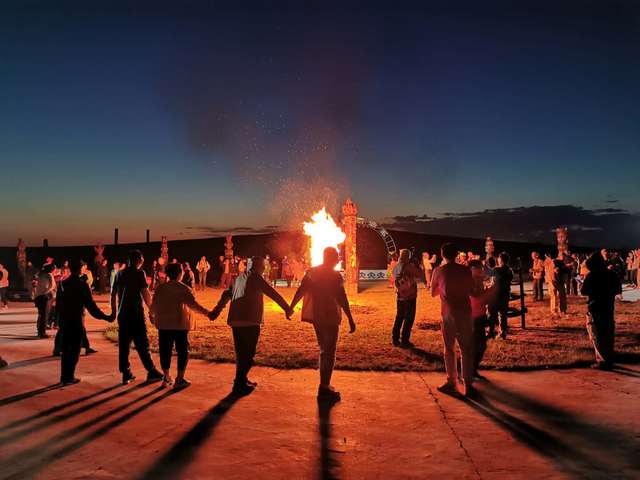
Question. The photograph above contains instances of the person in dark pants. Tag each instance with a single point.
(537, 275)
(479, 301)
(44, 292)
(171, 314)
(246, 317)
(324, 301)
(406, 275)
(499, 305)
(601, 285)
(129, 293)
(73, 297)
(452, 282)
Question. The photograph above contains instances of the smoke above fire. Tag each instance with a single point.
(285, 126)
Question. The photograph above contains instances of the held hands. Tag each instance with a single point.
(213, 314)
(289, 313)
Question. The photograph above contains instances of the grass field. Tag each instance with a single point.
(545, 343)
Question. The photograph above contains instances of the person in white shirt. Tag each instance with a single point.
(202, 267)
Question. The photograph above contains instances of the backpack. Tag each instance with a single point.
(405, 284)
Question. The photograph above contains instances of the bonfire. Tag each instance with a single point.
(324, 232)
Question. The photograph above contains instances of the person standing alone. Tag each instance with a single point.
(203, 268)
(601, 285)
(129, 293)
(452, 282)
(406, 275)
(4, 286)
(537, 274)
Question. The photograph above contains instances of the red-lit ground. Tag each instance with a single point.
(550, 424)
(291, 344)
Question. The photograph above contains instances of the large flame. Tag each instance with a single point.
(324, 233)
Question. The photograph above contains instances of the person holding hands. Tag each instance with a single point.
(246, 316)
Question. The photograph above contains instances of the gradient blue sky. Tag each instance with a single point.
(188, 119)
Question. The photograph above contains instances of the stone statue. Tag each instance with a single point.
(228, 247)
(562, 236)
(21, 258)
(489, 248)
(350, 227)
(164, 250)
(99, 249)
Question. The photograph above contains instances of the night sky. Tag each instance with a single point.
(194, 118)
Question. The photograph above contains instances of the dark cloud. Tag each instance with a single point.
(220, 231)
(613, 227)
(412, 218)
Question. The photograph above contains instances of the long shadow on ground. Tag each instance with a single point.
(25, 395)
(56, 408)
(180, 456)
(48, 422)
(31, 361)
(34, 459)
(577, 446)
(329, 464)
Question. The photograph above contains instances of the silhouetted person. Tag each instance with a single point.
(74, 295)
(4, 287)
(171, 314)
(499, 306)
(44, 292)
(188, 278)
(452, 282)
(601, 285)
(324, 298)
(406, 275)
(559, 283)
(129, 293)
(246, 316)
(480, 297)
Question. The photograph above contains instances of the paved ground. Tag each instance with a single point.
(548, 424)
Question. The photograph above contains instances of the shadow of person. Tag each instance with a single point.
(38, 457)
(630, 372)
(567, 458)
(15, 436)
(31, 361)
(579, 447)
(329, 464)
(25, 395)
(428, 356)
(181, 454)
(57, 408)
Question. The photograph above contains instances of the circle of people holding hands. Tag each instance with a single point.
(474, 297)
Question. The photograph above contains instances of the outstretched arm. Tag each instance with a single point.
(114, 300)
(271, 292)
(194, 305)
(224, 299)
(300, 292)
(90, 305)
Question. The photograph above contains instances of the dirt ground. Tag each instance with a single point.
(545, 342)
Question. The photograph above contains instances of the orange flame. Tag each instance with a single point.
(324, 233)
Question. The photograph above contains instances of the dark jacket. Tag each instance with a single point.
(73, 297)
(601, 286)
